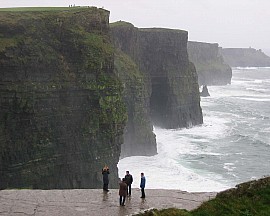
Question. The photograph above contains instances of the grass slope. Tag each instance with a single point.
(247, 199)
(28, 9)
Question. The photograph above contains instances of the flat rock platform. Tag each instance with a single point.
(93, 202)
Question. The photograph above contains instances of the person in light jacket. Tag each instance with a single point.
(142, 185)
(122, 192)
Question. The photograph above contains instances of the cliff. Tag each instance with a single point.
(61, 110)
(209, 64)
(204, 92)
(170, 92)
(139, 138)
(245, 57)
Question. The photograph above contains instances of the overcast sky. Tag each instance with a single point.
(231, 23)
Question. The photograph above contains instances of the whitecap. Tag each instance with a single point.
(229, 166)
(255, 99)
(165, 173)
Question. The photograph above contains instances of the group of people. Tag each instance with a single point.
(124, 185)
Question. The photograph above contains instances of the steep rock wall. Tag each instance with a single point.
(61, 110)
(175, 100)
(245, 57)
(161, 55)
(209, 64)
(139, 138)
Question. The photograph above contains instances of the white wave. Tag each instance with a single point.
(258, 81)
(254, 99)
(183, 153)
(229, 166)
(249, 68)
(165, 173)
(259, 90)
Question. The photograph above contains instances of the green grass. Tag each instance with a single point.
(247, 199)
(27, 9)
(121, 24)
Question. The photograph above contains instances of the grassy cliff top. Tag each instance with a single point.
(163, 30)
(121, 24)
(32, 9)
(11, 17)
(247, 199)
(28, 9)
(154, 29)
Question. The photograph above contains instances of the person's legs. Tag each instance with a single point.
(129, 190)
(120, 200)
(143, 194)
(124, 199)
(105, 187)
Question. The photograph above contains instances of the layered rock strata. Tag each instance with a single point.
(171, 89)
(210, 66)
(139, 138)
(61, 111)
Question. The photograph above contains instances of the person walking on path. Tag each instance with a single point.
(142, 185)
(105, 173)
(122, 192)
(128, 180)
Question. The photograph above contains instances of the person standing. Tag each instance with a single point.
(122, 192)
(128, 180)
(142, 185)
(105, 173)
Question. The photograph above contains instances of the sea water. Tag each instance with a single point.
(232, 145)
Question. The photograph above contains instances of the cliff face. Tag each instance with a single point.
(209, 64)
(245, 57)
(174, 101)
(61, 111)
(139, 138)
(161, 55)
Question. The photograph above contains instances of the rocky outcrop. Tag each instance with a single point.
(61, 110)
(245, 57)
(171, 92)
(204, 92)
(209, 64)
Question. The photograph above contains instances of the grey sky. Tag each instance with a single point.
(231, 23)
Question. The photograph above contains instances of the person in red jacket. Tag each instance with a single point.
(122, 192)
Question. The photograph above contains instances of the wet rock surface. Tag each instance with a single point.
(94, 202)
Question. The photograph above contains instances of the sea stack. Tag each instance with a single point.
(204, 92)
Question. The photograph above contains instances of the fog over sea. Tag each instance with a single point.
(232, 146)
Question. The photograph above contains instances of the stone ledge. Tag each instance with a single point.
(94, 202)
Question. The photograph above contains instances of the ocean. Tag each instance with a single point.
(232, 146)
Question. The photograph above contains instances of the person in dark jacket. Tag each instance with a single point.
(142, 185)
(122, 192)
(105, 173)
(128, 180)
